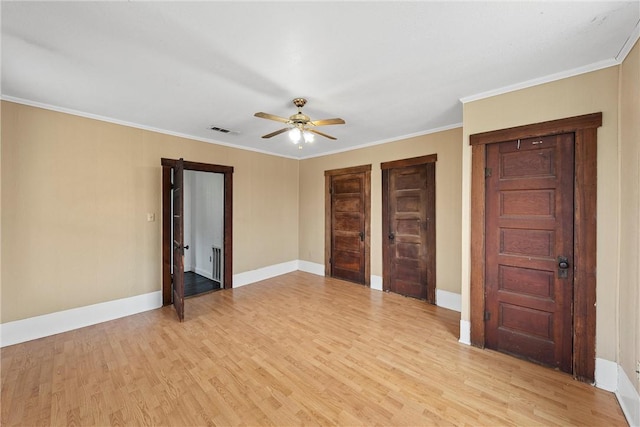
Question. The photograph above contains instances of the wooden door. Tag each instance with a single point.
(529, 249)
(178, 238)
(348, 226)
(409, 255)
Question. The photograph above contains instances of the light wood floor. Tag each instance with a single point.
(296, 349)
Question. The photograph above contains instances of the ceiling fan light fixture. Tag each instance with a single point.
(299, 125)
(295, 135)
(308, 137)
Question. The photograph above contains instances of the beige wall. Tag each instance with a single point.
(587, 93)
(76, 193)
(445, 144)
(630, 213)
(0, 211)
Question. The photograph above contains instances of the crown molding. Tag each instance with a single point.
(134, 125)
(541, 80)
(385, 141)
(629, 43)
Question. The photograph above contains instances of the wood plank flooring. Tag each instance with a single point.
(292, 350)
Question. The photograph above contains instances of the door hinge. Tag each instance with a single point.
(487, 315)
(487, 172)
(330, 260)
(331, 189)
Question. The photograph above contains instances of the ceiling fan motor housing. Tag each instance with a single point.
(299, 118)
(299, 102)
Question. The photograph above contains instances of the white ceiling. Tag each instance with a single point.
(390, 69)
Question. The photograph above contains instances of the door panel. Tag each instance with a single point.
(348, 227)
(529, 225)
(411, 206)
(178, 238)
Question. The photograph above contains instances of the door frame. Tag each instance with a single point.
(366, 169)
(585, 129)
(431, 223)
(167, 165)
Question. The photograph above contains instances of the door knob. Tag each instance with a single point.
(362, 236)
(563, 265)
(392, 236)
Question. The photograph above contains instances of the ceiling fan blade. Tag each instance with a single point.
(278, 132)
(327, 122)
(321, 134)
(271, 117)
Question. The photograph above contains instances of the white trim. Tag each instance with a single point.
(384, 141)
(252, 276)
(465, 332)
(212, 141)
(376, 282)
(135, 125)
(311, 267)
(541, 80)
(67, 320)
(628, 398)
(606, 374)
(449, 300)
(629, 43)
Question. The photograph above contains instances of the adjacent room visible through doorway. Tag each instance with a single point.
(203, 232)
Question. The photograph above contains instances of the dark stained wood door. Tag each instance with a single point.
(348, 227)
(178, 238)
(529, 249)
(410, 252)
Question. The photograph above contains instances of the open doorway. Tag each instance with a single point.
(175, 250)
(203, 232)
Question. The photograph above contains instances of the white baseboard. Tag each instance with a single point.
(628, 398)
(465, 332)
(606, 374)
(311, 267)
(449, 300)
(264, 273)
(67, 320)
(203, 272)
(376, 282)
(318, 269)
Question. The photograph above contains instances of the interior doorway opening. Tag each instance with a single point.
(203, 232)
(173, 229)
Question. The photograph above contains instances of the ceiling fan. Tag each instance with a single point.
(301, 127)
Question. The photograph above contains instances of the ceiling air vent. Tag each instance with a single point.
(219, 129)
